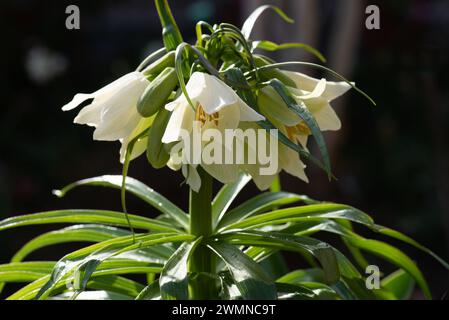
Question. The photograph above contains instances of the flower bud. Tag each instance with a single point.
(156, 152)
(269, 74)
(168, 60)
(157, 92)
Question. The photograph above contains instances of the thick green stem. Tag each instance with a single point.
(170, 31)
(201, 262)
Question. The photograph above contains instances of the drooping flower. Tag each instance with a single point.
(113, 111)
(218, 107)
(313, 94)
(316, 95)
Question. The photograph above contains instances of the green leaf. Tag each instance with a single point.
(303, 213)
(173, 281)
(251, 20)
(138, 189)
(302, 275)
(150, 292)
(272, 46)
(226, 196)
(260, 203)
(395, 256)
(322, 251)
(110, 283)
(381, 249)
(248, 276)
(85, 216)
(399, 283)
(400, 236)
(103, 251)
(306, 291)
(274, 265)
(92, 295)
(25, 271)
(77, 233)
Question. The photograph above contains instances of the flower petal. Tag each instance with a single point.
(193, 179)
(291, 163)
(225, 173)
(324, 114)
(119, 116)
(181, 118)
(304, 82)
(210, 92)
(247, 113)
(77, 100)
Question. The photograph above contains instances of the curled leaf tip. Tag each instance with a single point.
(58, 193)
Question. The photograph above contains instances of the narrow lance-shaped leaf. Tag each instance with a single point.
(226, 195)
(248, 25)
(303, 213)
(378, 248)
(248, 276)
(258, 204)
(138, 189)
(272, 46)
(399, 283)
(173, 281)
(102, 252)
(322, 251)
(85, 216)
(77, 233)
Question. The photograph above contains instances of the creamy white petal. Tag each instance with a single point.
(318, 91)
(90, 115)
(106, 90)
(307, 83)
(193, 179)
(117, 124)
(77, 100)
(210, 92)
(247, 113)
(181, 118)
(324, 114)
(120, 117)
(225, 173)
(263, 182)
(291, 163)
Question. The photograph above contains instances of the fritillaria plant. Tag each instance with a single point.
(220, 86)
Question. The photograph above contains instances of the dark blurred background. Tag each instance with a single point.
(391, 161)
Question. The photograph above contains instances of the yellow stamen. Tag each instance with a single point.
(203, 117)
(300, 129)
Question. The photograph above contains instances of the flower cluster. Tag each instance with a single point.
(152, 109)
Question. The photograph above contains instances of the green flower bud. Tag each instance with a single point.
(168, 60)
(156, 152)
(269, 74)
(157, 92)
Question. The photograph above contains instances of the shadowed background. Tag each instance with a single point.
(391, 161)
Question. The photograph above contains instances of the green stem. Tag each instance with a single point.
(202, 288)
(170, 31)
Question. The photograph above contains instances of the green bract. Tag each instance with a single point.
(216, 250)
